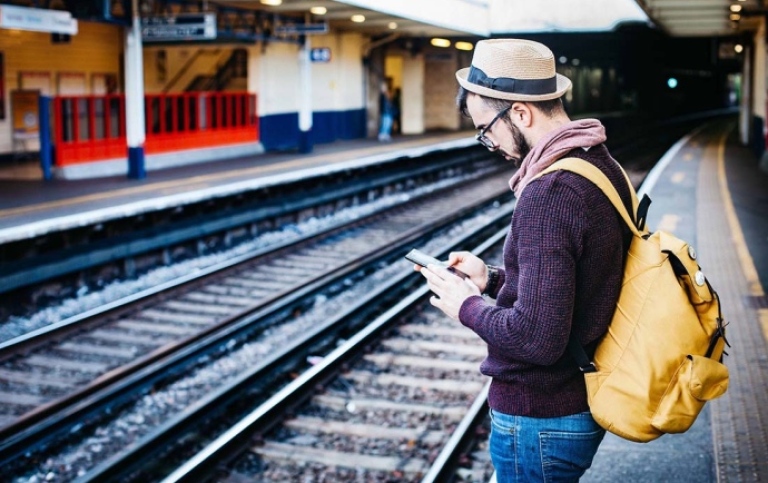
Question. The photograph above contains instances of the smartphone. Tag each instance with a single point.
(420, 258)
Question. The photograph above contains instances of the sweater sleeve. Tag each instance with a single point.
(548, 229)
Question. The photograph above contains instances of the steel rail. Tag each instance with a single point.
(230, 443)
(47, 425)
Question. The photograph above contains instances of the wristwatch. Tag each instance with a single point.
(494, 277)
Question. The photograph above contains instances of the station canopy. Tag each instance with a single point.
(704, 18)
(487, 18)
(482, 18)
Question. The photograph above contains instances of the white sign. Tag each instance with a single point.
(179, 27)
(37, 19)
(302, 29)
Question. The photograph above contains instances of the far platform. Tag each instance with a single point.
(31, 206)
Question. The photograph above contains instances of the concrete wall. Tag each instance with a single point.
(440, 98)
(412, 103)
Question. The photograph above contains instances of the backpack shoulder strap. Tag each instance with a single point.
(593, 173)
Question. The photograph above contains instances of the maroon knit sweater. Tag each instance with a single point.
(563, 264)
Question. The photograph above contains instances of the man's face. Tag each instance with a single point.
(504, 135)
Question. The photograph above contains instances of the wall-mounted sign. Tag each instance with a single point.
(37, 19)
(320, 54)
(302, 28)
(190, 26)
(24, 106)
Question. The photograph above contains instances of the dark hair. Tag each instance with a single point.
(548, 108)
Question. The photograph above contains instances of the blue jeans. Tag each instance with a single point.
(385, 129)
(525, 449)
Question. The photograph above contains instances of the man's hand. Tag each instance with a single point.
(472, 266)
(450, 290)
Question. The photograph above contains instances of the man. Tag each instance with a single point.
(563, 263)
(386, 112)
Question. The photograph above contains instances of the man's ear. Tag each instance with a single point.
(522, 114)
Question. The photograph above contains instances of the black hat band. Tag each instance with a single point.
(513, 86)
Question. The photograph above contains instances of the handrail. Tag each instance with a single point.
(186, 67)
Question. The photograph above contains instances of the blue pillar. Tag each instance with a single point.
(136, 166)
(44, 122)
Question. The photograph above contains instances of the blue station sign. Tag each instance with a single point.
(320, 54)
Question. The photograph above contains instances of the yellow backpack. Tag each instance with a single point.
(661, 358)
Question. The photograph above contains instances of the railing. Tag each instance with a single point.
(89, 128)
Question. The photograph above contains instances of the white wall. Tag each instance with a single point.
(278, 84)
(338, 85)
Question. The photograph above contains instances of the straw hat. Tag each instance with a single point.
(513, 69)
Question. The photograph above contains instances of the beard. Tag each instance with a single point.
(523, 148)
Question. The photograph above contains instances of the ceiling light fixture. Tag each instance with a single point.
(271, 3)
(318, 10)
(357, 18)
(735, 8)
(438, 42)
(392, 25)
(464, 45)
(735, 17)
(738, 48)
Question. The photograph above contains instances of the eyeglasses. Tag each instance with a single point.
(481, 137)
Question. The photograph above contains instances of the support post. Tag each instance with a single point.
(305, 108)
(134, 96)
(44, 121)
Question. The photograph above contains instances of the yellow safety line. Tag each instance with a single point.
(185, 183)
(742, 251)
(763, 316)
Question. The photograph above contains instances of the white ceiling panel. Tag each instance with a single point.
(483, 18)
(702, 18)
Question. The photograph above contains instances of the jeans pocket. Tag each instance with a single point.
(565, 456)
(502, 422)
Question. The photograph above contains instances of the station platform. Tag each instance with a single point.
(710, 191)
(31, 206)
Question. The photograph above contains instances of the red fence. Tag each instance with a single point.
(89, 128)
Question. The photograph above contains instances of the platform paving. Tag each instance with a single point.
(713, 194)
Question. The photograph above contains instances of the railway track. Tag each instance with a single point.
(110, 362)
(180, 313)
(401, 400)
(48, 269)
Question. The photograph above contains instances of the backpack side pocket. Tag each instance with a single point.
(697, 380)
